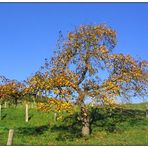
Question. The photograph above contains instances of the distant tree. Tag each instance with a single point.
(85, 68)
(10, 90)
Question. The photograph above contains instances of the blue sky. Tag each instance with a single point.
(29, 31)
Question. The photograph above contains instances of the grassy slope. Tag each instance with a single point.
(129, 127)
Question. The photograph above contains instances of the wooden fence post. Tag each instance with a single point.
(55, 117)
(10, 137)
(26, 113)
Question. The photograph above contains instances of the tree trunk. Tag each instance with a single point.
(26, 113)
(86, 129)
(85, 117)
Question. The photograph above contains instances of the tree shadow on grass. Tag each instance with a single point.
(37, 130)
(101, 119)
(69, 129)
(110, 119)
(4, 116)
(30, 117)
(66, 133)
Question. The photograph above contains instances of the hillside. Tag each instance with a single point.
(109, 127)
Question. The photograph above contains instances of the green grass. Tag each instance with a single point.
(109, 127)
